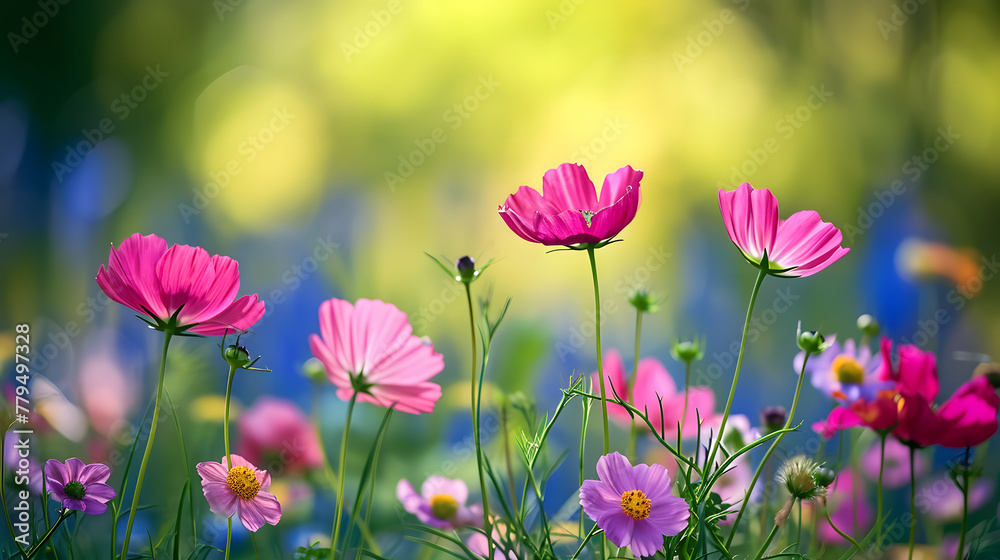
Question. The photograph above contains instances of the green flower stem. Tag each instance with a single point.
(63, 514)
(913, 501)
(829, 520)
(767, 543)
(881, 468)
(965, 517)
(475, 425)
(798, 545)
(167, 334)
(600, 357)
(736, 376)
(684, 415)
(341, 476)
(225, 441)
(770, 450)
(633, 433)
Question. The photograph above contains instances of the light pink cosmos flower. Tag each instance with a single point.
(181, 288)
(277, 434)
(369, 350)
(79, 486)
(241, 490)
(652, 383)
(633, 505)
(440, 503)
(569, 210)
(802, 245)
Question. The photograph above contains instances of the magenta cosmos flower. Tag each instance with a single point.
(569, 211)
(241, 490)
(653, 382)
(79, 486)
(633, 505)
(440, 503)
(802, 245)
(181, 289)
(369, 351)
(276, 433)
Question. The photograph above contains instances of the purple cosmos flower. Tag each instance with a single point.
(440, 503)
(845, 372)
(633, 505)
(79, 486)
(241, 489)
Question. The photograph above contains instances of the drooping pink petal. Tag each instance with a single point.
(268, 507)
(250, 515)
(238, 317)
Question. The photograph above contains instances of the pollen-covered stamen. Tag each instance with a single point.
(243, 482)
(443, 506)
(636, 505)
(848, 370)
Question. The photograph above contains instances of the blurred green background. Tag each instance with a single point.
(327, 145)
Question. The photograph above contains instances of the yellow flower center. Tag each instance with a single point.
(443, 506)
(848, 370)
(635, 504)
(243, 482)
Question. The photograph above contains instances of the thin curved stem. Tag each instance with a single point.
(149, 445)
(600, 357)
(475, 424)
(633, 432)
(770, 450)
(736, 376)
(829, 520)
(225, 441)
(63, 514)
(341, 476)
(965, 517)
(767, 543)
(687, 387)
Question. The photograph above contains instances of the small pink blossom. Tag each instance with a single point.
(440, 503)
(241, 490)
(79, 486)
(277, 434)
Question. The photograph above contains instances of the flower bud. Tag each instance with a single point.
(643, 300)
(810, 341)
(773, 418)
(236, 356)
(868, 326)
(466, 267)
(688, 351)
(825, 477)
(314, 370)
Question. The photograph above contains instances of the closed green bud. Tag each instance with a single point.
(236, 356)
(810, 341)
(466, 267)
(868, 326)
(688, 351)
(825, 477)
(643, 300)
(314, 370)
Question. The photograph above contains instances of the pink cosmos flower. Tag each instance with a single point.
(241, 490)
(896, 471)
(569, 210)
(478, 545)
(79, 486)
(845, 372)
(652, 383)
(440, 503)
(181, 288)
(633, 505)
(277, 434)
(802, 245)
(969, 417)
(369, 350)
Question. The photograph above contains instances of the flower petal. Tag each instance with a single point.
(615, 471)
(568, 187)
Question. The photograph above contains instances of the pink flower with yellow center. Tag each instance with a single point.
(241, 490)
(440, 503)
(633, 505)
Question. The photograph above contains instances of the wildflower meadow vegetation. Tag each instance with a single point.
(707, 494)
